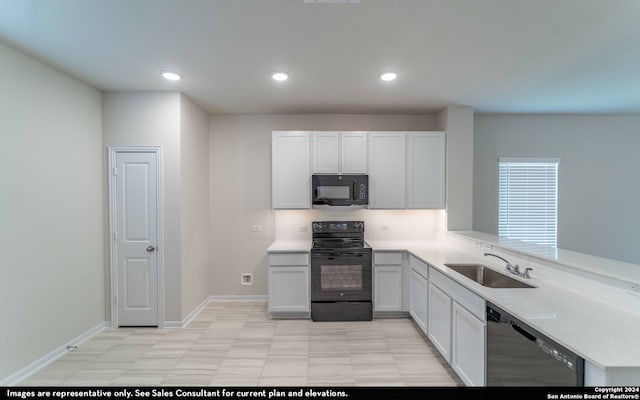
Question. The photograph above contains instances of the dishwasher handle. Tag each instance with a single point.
(521, 331)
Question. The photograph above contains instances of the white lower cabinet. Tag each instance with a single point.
(418, 298)
(289, 285)
(387, 291)
(467, 347)
(439, 325)
(457, 327)
(387, 281)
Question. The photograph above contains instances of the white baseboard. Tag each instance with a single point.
(239, 297)
(50, 357)
(47, 359)
(187, 320)
(172, 325)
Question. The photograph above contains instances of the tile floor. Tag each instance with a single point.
(236, 344)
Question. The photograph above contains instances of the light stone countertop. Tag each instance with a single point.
(606, 336)
(614, 269)
(602, 334)
(290, 246)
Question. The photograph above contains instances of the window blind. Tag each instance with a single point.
(528, 200)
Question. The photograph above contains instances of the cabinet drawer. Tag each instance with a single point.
(419, 266)
(439, 279)
(289, 259)
(463, 296)
(387, 258)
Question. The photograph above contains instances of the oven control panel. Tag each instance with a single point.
(337, 226)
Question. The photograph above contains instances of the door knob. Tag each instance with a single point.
(150, 249)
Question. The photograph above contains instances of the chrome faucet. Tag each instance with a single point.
(510, 267)
(514, 269)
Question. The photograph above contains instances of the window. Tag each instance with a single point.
(528, 200)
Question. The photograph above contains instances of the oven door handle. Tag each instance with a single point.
(331, 256)
(521, 331)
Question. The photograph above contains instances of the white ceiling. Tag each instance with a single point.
(525, 56)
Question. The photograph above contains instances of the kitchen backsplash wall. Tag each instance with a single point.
(379, 224)
(241, 219)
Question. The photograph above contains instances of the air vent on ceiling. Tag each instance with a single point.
(332, 1)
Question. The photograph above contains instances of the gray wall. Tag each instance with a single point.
(51, 260)
(194, 171)
(457, 121)
(151, 119)
(240, 186)
(598, 189)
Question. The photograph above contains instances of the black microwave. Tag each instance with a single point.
(340, 190)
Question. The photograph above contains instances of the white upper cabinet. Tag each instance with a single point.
(425, 169)
(339, 152)
(353, 154)
(290, 170)
(406, 169)
(325, 149)
(387, 170)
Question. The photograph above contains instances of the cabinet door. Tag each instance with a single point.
(418, 299)
(425, 170)
(290, 172)
(387, 290)
(289, 289)
(387, 167)
(439, 325)
(325, 150)
(467, 354)
(353, 153)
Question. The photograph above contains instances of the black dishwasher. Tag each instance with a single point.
(518, 355)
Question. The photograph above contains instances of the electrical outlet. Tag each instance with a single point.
(635, 288)
(256, 228)
(246, 279)
(302, 228)
(384, 227)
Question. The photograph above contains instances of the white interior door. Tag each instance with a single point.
(136, 238)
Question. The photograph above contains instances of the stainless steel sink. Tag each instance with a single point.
(487, 276)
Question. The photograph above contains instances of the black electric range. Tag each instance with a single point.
(341, 272)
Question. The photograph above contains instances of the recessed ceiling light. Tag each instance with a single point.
(171, 76)
(280, 76)
(388, 76)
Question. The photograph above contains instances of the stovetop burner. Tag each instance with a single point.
(338, 235)
(339, 244)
